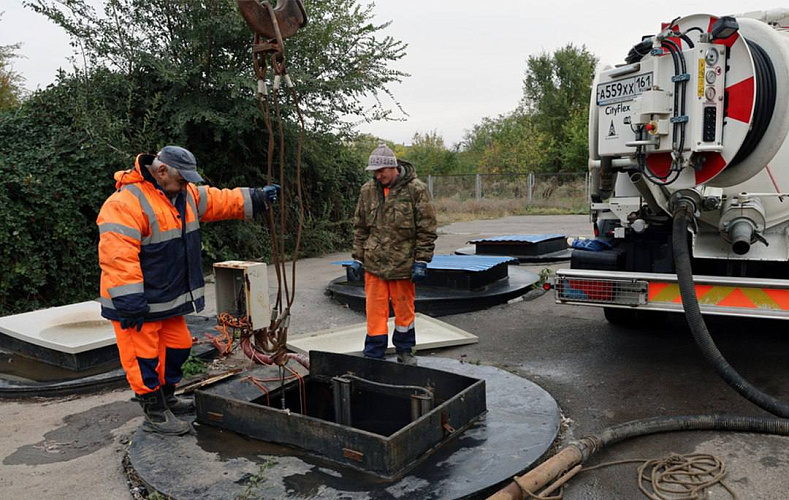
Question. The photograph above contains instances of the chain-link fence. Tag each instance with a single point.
(568, 191)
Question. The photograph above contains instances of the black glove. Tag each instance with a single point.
(133, 319)
(418, 271)
(263, 198)
(355, 270)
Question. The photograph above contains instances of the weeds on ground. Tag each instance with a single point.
(464, 359)
(194, 366)
(254, 481)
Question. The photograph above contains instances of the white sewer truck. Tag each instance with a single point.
(689, 160)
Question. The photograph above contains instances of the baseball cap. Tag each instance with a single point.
(382, 157)
(182, 160)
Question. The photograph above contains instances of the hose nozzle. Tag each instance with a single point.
(741, 235)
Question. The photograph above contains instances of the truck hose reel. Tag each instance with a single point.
(766, 88)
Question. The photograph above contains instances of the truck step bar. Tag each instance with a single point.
(726, 296)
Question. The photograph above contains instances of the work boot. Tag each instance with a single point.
(177, 405)
(407, 358)
(158, 418)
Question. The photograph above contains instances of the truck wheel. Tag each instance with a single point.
(621, 317)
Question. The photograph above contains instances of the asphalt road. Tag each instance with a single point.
(600, 375)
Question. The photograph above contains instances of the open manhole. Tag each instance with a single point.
(519, 426)
(379, 417)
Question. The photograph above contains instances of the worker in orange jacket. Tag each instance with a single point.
(151, 270)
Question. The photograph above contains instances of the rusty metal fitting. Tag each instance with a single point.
(277, 23)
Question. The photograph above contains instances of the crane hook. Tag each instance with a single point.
(290, 16)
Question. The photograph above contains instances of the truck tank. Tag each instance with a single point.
(695, 120)
(698, 111)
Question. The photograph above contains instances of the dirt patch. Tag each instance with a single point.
(82, 434)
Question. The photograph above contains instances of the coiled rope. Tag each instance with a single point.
(675, 477)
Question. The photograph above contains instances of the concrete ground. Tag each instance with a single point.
(600, 375)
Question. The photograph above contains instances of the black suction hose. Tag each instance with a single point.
(581, 450)
(578, 452)
(715, 421)
(699, 329)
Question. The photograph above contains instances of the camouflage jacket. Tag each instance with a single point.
(391, 233)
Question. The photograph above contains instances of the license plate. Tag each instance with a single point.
(625, 89)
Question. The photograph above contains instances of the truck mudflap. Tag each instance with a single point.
(764, 298)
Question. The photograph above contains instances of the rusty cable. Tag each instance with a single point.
(275, 23)
(271, 341)
(282, 213)
(230, 327)
(294, 375)
(299, 194)
(676, 477)
(682, 477)
(302, 389)
(260, 386)
(260, 67)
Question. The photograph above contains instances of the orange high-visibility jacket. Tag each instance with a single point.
(149, 246)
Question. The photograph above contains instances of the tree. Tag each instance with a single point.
(180, 71)
(429, 155)
(176, 71)
(548, 131)
(509, 143)
(10, 81)
(341, 58)
(53, 186)
(556, 95)
(196, 56)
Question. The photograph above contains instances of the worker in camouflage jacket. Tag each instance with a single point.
(393, 241)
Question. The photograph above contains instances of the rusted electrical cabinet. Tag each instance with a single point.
(242, 291)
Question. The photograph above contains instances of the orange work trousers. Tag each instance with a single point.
(379, 293)
(153, 356)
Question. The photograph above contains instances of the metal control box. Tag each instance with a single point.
(242, 291)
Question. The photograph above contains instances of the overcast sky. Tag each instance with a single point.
(466, 57)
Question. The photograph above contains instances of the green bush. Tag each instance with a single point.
(56, 175)
(196, 88)
(52, 185)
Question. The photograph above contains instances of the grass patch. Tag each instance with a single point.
(450, 210)
(504, 195)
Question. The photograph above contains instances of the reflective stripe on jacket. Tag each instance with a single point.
(390, 232)
(150, 248)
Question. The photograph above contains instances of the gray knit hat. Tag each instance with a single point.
(382, 157)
